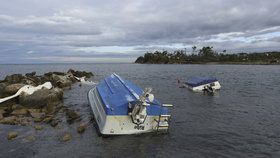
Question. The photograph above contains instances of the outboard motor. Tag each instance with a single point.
(137, 110)
(208, 89)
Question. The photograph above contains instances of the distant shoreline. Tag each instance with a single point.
(207, 55)
(214, 63)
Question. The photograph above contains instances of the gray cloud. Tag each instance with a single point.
(62, 28)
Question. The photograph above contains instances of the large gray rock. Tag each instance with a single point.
(42, 98)
(80, 73)
(13, 88)
(8, 103)
(15, 78)
(1, 114)
(30, 74)
(2, 89)
(61, 81)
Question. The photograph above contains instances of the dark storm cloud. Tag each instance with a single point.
(38, 29)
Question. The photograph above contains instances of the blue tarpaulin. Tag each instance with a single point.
(116, 93)
(198, 81)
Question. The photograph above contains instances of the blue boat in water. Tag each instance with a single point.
(121, 107)
(208, 84)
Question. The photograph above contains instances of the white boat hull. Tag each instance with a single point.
(214, 85)
(119, 124)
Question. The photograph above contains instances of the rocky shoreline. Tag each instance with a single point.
(44, 105)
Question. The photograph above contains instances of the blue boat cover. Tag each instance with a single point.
(116, 93)
(198, 81)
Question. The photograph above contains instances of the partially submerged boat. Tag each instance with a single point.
(203, 84)
(121, 107)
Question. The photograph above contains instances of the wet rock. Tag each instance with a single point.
(30, 138)
(80, 73)
(38, 127)
(48, 119)
(38, 115)
(38, 119)
(81, 129)
(9, 103)
(67, 137)
(33, 80)
(13, 88)
(20, 112)
(71, 115)
(15, 78)
(17, 107)
(34, 110)
(2, 89)
(42, 98)
(56, 73)
(54, 123)
(11, 120)
(24, 121)
(62, 81)
(2, 111)
(30, 74)
(29, 81)
(12, 135)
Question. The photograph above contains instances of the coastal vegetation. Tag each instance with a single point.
(207, 55)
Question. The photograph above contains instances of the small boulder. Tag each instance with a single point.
(30, 138)
(11, 120)
(38, 119)
(71, 115)
(24, 121)
(54, 123)
(81, 129)
(66, 137)
(38, 114)
(12, 135)
(13, 88)
(20, 112)
(48, 119)
(17, 107)
(38, 127)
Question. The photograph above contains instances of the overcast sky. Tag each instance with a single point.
(36, 31)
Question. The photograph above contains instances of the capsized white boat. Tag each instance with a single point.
(203, 84)
(121, 107)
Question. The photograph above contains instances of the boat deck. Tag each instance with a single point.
(116, 93)
(198, 81)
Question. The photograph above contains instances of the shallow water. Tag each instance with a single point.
(241, 120)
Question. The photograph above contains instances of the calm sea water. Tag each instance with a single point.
(241, 120)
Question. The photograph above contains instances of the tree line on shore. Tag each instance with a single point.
(207, 55)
